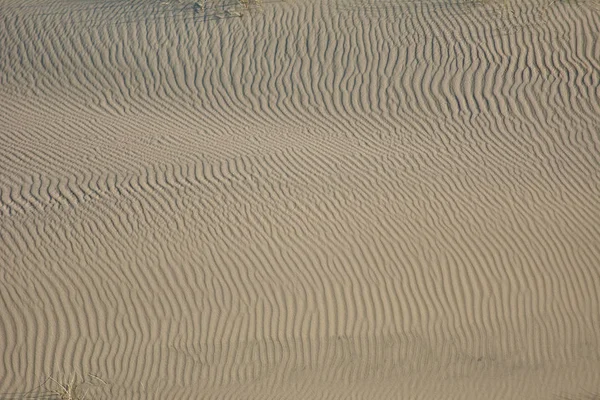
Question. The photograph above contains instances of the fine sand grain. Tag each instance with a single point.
(341, 199)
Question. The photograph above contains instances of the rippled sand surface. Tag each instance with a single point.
(351, 199)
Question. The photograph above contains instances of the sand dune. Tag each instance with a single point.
(320, 199)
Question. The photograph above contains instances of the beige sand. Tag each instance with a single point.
(326, 199)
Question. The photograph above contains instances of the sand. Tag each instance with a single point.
(341, 199)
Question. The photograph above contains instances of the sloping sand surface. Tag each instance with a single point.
(334, 199)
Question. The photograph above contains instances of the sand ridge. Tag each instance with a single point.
(348, 199)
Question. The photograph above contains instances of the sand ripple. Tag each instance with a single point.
(347, 199)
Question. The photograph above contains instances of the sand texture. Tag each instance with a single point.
(320, 199)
